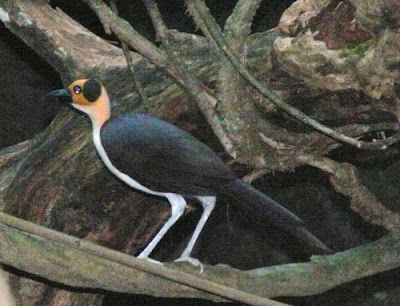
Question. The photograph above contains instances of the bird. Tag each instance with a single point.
(158, 158)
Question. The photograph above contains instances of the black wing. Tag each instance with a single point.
(162, 157)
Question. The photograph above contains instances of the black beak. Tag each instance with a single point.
(62, 95)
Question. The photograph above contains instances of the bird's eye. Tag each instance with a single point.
(77, 89)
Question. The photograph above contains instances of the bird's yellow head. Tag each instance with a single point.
(88, 96)
(85, 92)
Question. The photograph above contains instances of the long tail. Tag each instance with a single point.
(258, 204)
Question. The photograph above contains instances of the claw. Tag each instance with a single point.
(150, 259)
(193, 261)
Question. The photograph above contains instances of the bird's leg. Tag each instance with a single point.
(178, 205)
(208, 204)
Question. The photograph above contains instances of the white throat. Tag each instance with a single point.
(99, 112)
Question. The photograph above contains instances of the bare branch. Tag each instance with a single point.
(156, 18)
(88, 248)
(48, 259)
(62, 39)
(345, 180)
(218, 37)
(122, 29)
(131, 64)
(238, 25)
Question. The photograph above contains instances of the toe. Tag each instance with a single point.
(193, 261)
(150, 260)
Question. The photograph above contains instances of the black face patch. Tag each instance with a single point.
(91, 90)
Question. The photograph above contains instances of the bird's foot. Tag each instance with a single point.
(150, 259)
(195, 262)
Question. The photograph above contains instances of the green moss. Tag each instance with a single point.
(355, 54)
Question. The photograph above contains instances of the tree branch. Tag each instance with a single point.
(217, 35)
(93, 266)
(63, 241)
(156, 18)
(345, 180)
(238, 25)
(131, 64)
(123, 30)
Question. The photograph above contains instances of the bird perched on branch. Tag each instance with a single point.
(159, 158)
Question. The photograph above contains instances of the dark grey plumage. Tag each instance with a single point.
(164, 158)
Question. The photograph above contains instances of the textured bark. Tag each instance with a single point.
(77, 268)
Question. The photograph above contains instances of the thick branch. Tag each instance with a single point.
(60, 40)
(48, 259)
(49, 237)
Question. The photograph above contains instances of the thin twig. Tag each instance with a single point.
(131, 65)
(211, 27)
